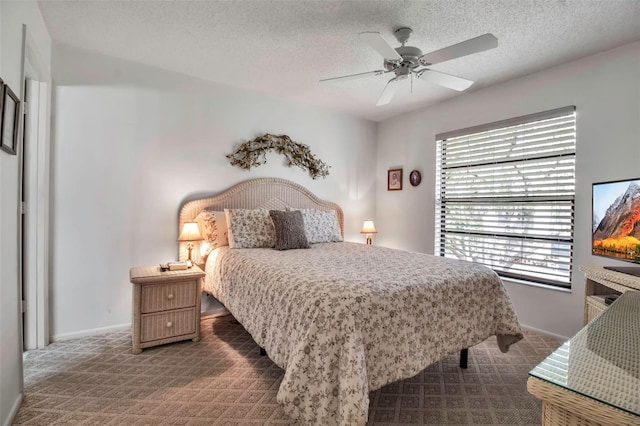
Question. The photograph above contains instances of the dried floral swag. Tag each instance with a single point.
(253, 153)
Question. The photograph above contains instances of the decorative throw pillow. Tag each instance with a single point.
(213, 227)
(289, 227)
(250, 228)
(321, 226)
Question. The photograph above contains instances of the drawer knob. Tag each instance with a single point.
(169, 324)
(171, 296)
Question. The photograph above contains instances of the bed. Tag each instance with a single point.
(344, 319)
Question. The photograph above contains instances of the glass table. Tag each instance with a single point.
(594, 378)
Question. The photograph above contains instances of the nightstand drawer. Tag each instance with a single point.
(167, 324)
(163, 297)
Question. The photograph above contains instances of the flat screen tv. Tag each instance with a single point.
(616, 223)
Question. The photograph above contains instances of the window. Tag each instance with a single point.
(505, 196)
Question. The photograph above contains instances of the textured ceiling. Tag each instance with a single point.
(283, 48)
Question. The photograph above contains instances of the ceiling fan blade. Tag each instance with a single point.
(354, 76)
(388, 92)
(380, 45)
(446, 80)
(474, 45)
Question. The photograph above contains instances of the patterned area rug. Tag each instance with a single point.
(223, 380)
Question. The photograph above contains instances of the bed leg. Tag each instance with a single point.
(464, 358)
(263, 352)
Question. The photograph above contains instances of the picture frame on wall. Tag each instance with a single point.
(394, 180)
(10, 113)
(415, 178)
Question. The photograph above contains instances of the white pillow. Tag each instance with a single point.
(250, 228)
(321, 226)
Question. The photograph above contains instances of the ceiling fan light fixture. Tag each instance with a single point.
(405, 60)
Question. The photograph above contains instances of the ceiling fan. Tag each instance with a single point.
(405, 61)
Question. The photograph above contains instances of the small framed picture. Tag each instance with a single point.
(415, 178)
(10, 115)
(394, 180)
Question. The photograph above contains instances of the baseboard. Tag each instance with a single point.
(14, 410)
(544, 332)
(222, 311)
(91, 332)
(94, 331)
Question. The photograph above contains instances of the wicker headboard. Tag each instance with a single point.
(269, 193)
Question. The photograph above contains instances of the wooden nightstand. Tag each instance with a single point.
(166, 306)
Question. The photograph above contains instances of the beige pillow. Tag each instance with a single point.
(213, 227)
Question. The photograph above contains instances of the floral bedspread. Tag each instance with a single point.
(344, 319)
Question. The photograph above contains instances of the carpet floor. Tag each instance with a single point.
(223, 380)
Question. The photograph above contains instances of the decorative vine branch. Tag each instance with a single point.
(253, 154)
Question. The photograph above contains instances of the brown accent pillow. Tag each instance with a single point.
(289, 227)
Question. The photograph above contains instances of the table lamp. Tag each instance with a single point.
(190, 233)
(368, 228)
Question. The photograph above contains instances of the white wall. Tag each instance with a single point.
(12, 17)
(605, 88)
(131, 143)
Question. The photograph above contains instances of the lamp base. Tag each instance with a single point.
(190, 248)
(369, 239)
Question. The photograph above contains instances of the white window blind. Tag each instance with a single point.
(505, 196)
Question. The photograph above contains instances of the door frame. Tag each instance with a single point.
(36, 175)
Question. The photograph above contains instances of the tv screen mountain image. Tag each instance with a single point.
(616, 219)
